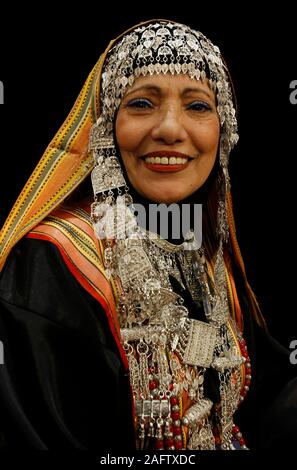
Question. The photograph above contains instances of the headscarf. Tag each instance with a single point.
(156, 46)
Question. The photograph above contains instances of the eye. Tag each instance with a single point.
(199, 106)
(140, 103)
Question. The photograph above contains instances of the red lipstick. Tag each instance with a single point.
(166, 153)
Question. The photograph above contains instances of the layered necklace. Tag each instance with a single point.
(169, 353)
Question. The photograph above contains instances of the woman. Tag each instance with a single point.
(114, 337)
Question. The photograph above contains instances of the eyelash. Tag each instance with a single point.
(201, 104)
(142, 103)
(139, 103)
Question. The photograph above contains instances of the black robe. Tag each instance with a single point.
(63, 384)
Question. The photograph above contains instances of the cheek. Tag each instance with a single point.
(120, 132)
(128, 135)
(206, 142)
(207, 138)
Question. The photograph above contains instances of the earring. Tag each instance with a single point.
(107, 173)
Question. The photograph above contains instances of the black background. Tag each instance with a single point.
(47, 53)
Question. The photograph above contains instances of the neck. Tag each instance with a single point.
(170, 221)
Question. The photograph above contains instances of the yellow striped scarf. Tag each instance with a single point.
(65, 164)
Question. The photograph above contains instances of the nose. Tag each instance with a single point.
(169, 127)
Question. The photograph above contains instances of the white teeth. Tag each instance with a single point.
(166, 160)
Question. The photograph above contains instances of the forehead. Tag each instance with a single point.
(164, 82)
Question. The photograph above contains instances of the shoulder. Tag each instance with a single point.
(57, 266)
(36, 278)
(69, 229)
(52, 263)
(37, 290)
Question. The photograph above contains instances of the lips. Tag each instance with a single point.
(165, 161)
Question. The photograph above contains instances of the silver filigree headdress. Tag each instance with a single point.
(160, 47)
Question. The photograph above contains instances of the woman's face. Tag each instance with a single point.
(168, 129)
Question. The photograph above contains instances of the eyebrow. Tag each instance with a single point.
(155, 88)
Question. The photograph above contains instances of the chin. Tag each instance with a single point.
(170, 200)
(167, 198)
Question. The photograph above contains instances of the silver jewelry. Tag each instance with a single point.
(168, 352)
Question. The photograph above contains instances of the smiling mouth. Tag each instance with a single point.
(166, 161)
